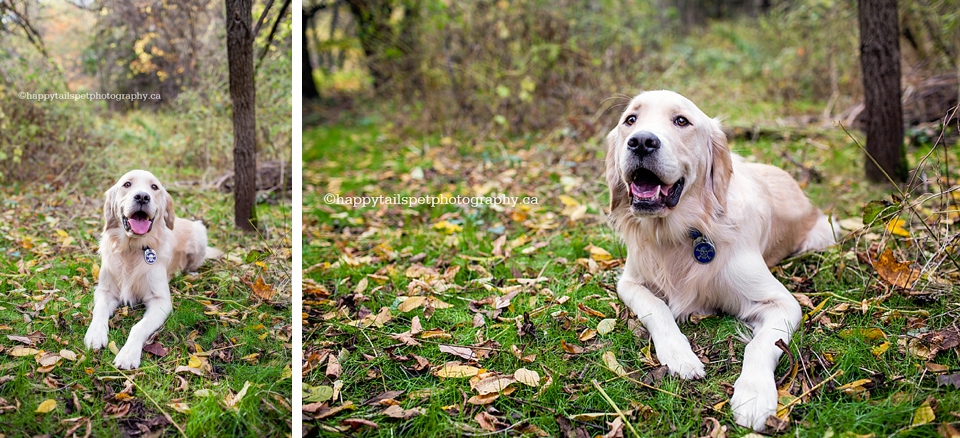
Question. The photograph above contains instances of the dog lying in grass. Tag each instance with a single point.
(702, 228)
(142, 246)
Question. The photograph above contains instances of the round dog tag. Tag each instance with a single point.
(703, 250)
(150, 256)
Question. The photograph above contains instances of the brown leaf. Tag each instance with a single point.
(385, 396)
(571, 348)
(357, 423)
(461, 352)
(590, 311)
(156, 349)
(493, 384)
(395, 411)
(894, 272)
(333, 367)
(261, 290)
(484, 399)
(487, 421)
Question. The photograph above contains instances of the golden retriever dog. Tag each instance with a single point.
(702, 229)
(142, 246)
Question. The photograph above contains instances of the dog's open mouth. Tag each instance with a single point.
(139, 223)
(649, 193)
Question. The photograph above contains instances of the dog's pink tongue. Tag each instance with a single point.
(644, 190)
(139, 226)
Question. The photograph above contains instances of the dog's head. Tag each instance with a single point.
(665, 152)
(135, 202)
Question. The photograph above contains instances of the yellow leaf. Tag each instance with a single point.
(610, 360)
(122, 396)
(46, 406)
(895, 226)
(113, 347)
(598, 254)
(880, 349)
(457, 371)
(195, 362)
(447, 227)
(568, 200)
(411, 303)
(923, 415)
(20, 351)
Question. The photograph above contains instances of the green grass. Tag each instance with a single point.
(345, 247)
(49, 239)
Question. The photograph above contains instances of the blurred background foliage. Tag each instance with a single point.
(522, 65)
(174, 48)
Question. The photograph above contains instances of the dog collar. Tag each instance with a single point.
(149, 255)
(703, 249)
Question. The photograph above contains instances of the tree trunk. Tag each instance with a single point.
(309, 87)
(242, 95)
(880, 62)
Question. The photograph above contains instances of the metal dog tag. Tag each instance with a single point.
(149, 256)
(703, 249)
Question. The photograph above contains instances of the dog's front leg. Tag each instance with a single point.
(673, 348)
(157, 310)
(774, 314)
(104, 303)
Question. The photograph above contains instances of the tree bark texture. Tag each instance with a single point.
(880, 63)
(243, 97)
(309, 87)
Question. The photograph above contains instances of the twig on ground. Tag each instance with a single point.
(615, 408)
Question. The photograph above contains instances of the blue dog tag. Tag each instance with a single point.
(703, 249)
(150, 256)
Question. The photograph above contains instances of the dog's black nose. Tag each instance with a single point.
(142, 198)
(643, 143)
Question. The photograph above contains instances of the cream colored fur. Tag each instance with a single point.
(754, 214)
(126, 277)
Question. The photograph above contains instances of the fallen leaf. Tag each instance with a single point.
(492, 384)
(46, 406)
(606, 326)
(180, 407)
(597, 253)
(461, 352)
(68, 355)
(234, 400)
(894, 272)
(527, 377)
(262, 290)
(20, 351)
(571, 348)
(395, 411)
(156, 349)
(457, 371)
(895, 227)
(411, 303)
(923, 415)
(486, 421)
(610, 360)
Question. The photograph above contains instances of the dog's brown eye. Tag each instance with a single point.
(126, 185)
(681, 121)
(630, 120)
(154, 186)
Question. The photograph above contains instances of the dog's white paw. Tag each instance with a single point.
(97, 337)
(754, 400)
(128, 358)
(681, 362)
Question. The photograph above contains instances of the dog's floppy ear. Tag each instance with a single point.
(109, 209)
(618, 190)
(721, 165)
(168, 216)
